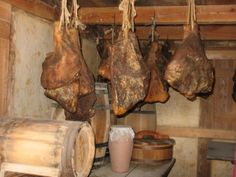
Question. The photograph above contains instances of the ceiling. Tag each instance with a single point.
(114, 3)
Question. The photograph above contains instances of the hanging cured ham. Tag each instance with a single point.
(124, 65)
(156, 62)
(66, 77)
(189, 70)
(129, 74)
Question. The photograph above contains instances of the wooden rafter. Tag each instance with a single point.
(208, 32)
(35, 7)
(206, 14)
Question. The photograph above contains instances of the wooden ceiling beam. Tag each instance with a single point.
(208, 32)
(167, 15)
(35, 7)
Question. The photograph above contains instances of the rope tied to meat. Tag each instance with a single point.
(191, 19)
(70, 19)
(129, 12)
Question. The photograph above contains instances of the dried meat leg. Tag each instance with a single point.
(66, 77)
(85, 108)
(61, 66)
(156, 62)
(66, 96)
(189, 70)
(129, 74)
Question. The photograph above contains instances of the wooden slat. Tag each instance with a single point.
(221, 151)
(4, 58)
(208, 14)
(30, 169)
(4, 11)
(89, 3)
(35, 7)
(203, 165)
(219, 54)
(209, 32)
(197, 132)
(4, 29)
(5, 18)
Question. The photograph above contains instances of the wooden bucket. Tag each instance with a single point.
(46, 147)
(152, 150)
(101, 123)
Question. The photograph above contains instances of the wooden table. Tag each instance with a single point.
(161, 169)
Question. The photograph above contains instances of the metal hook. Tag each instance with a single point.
(153, 27)
(113, 29)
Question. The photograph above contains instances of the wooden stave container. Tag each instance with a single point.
(144, 119)
(101, 123)
(152, 151)
(56, 144)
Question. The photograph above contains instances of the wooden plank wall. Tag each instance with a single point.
(218, 111)
(5, 21)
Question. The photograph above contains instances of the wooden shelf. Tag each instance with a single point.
(189, 132)
(161, 169)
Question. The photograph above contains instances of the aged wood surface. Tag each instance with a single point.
(191, 132)
(210, 14)
(115, 3)
(203, 165)
(145, 119)
(5, 20)
(219, 110)
(46, 147)
(37, 8)
(43, 171)
(100, 123)
(221, 151)
(208, 32)
(137, 170)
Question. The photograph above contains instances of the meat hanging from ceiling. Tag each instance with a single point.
(66, 77)
(156, 62)
(124, 65)
(129, 74)
(189, 70)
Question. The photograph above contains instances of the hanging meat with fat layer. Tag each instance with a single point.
(129, 74)
(189, 70)
(66, 77)
(156, 62)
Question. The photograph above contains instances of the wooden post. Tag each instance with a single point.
(203, 165)
(5, 20)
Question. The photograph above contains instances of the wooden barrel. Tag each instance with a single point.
(152, 151)
(47, 147)
(101, 123)
(143, 119)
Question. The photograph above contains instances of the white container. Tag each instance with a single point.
(121, 147)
